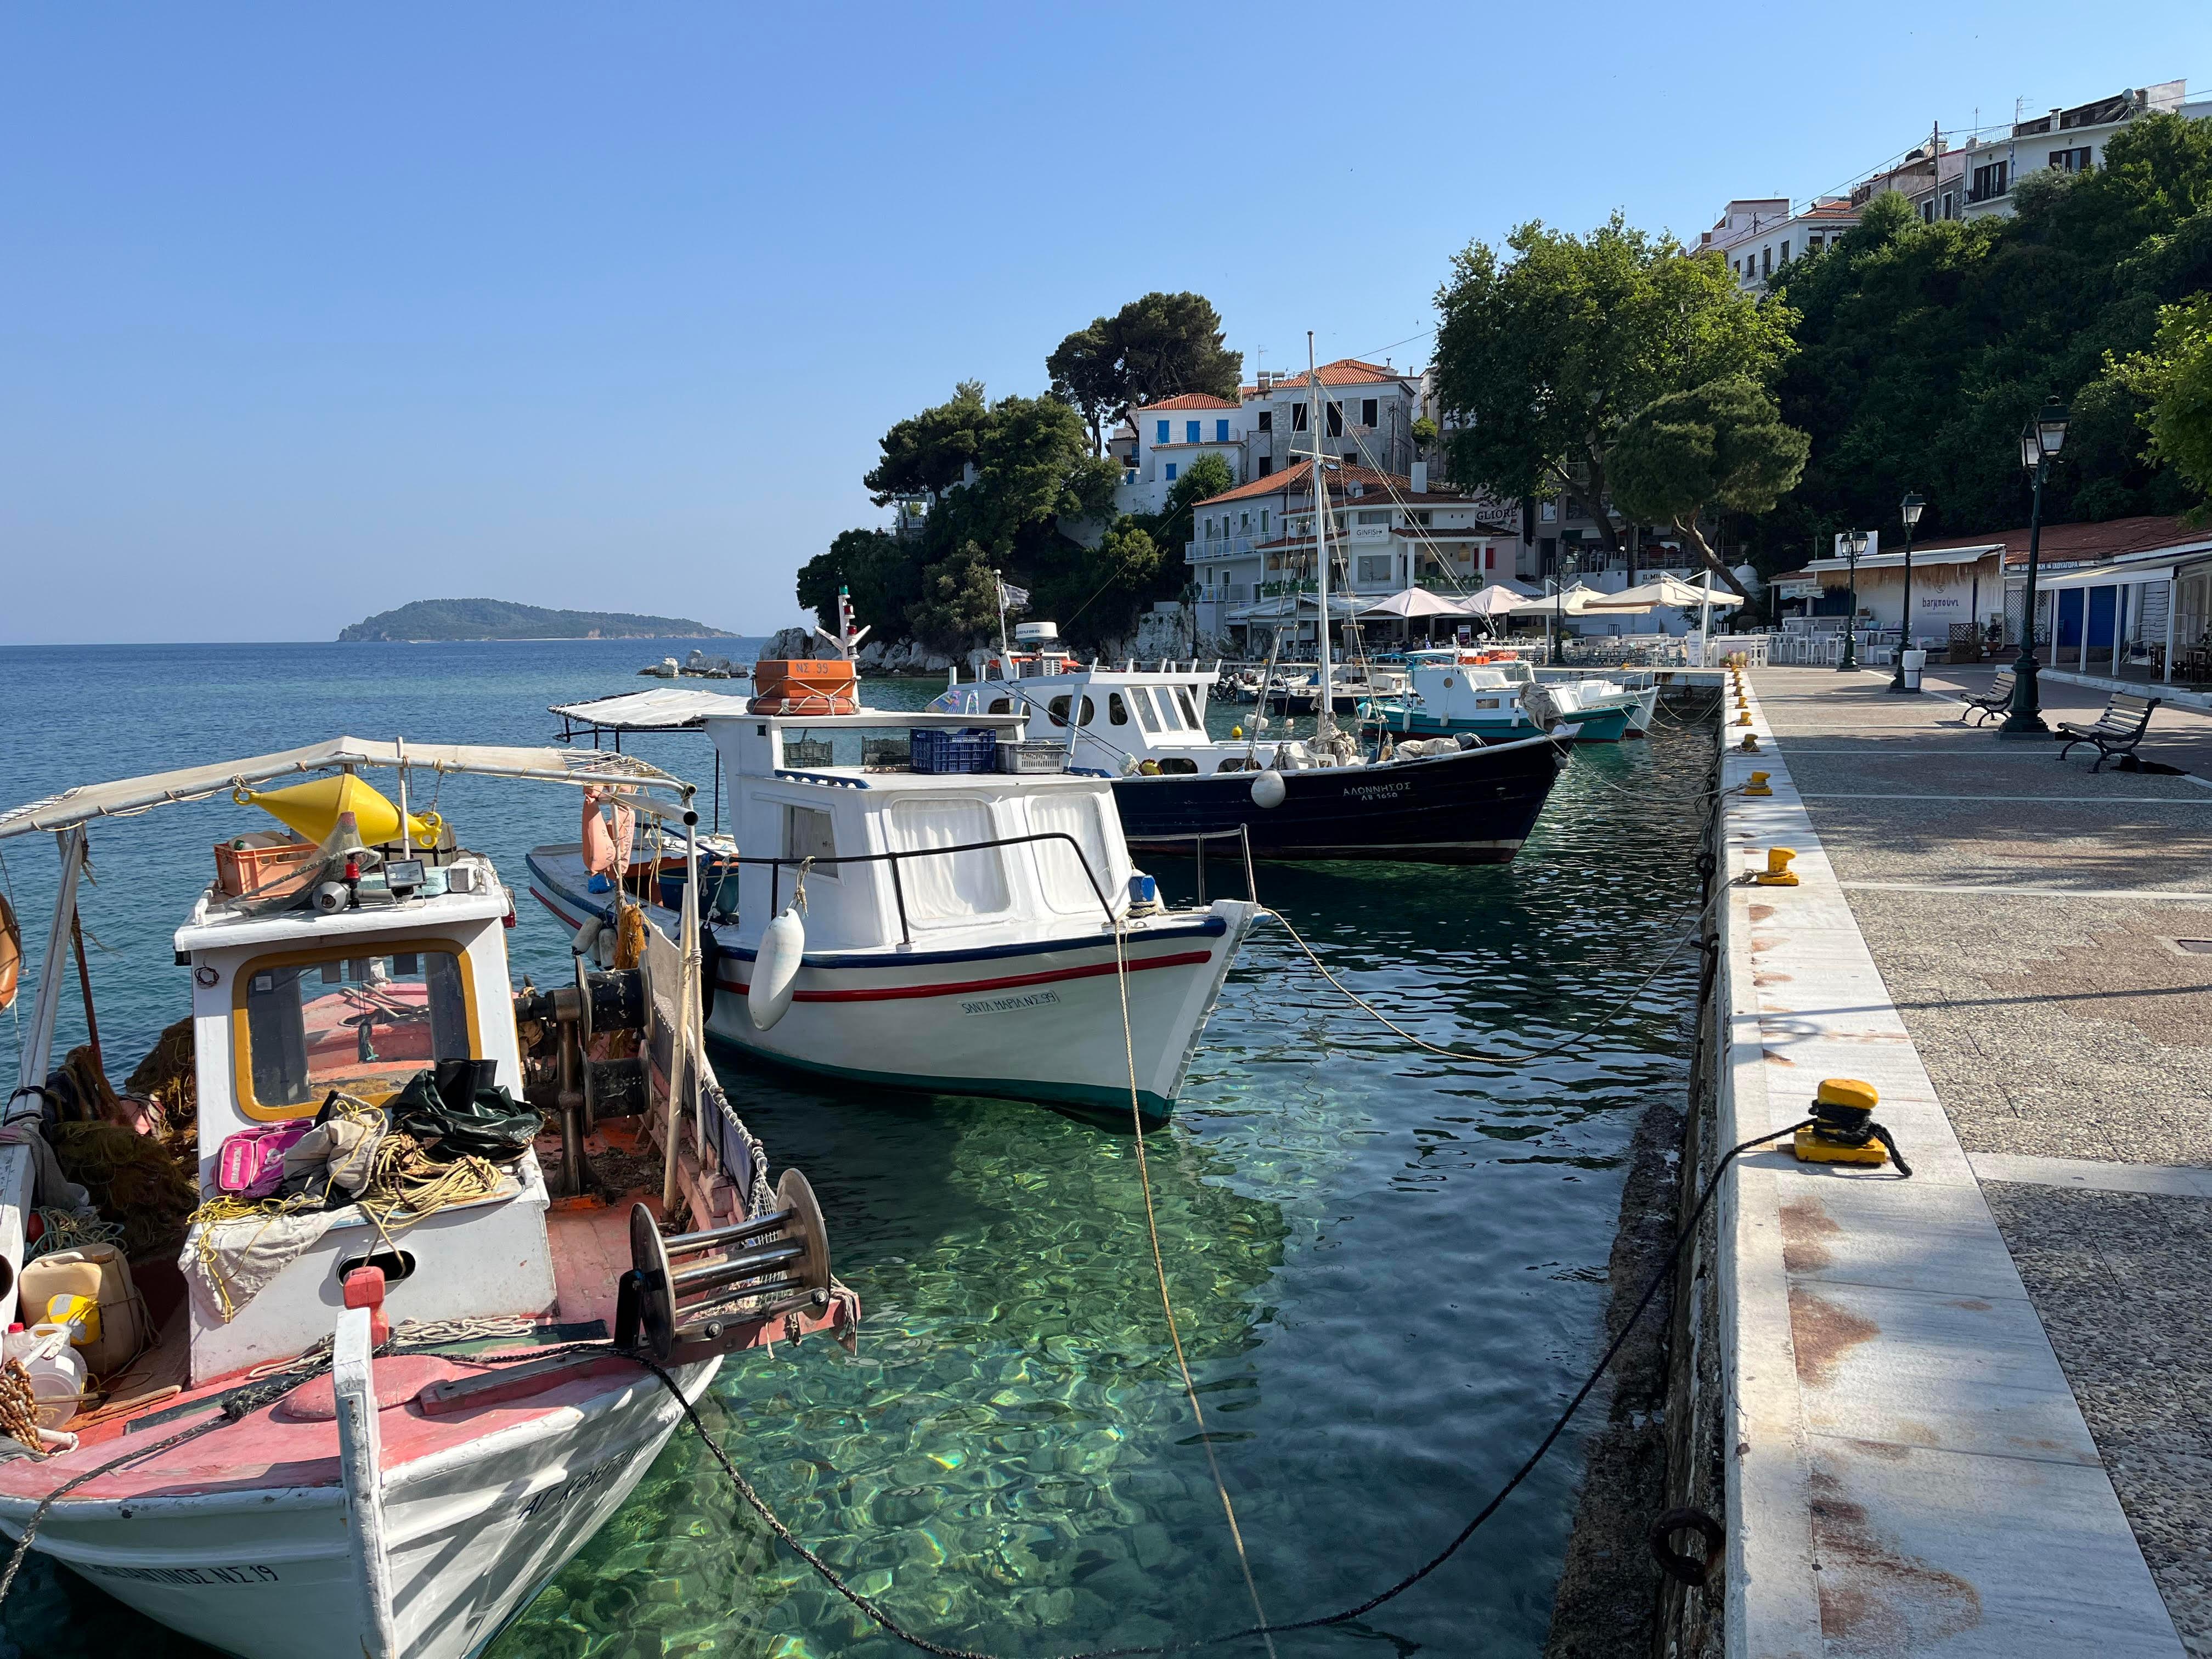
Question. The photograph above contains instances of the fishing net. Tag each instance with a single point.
(168, 1075)
(140, 1182)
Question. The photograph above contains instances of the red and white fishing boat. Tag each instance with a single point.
(965, 927)
(263, 1477)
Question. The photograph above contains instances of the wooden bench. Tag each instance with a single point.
(1996, 701)
(2117, 730)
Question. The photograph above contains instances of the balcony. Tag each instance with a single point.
(1217, 547)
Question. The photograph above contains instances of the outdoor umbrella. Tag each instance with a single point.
(1667, 590)
(1414, 603)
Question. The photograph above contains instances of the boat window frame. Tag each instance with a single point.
(1189, 708)
(354, 948)
(795, 858)
(1147, 716)
(1117, 709)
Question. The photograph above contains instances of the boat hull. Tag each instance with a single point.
(1037, 1021)
(266, 1569)
(1473, 807)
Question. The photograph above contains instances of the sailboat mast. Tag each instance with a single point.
(1325, 711)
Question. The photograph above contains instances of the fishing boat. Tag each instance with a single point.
(1442, 801)
(943, 906)
(1496, 698)
(378, 1414)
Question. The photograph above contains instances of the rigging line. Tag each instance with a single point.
(1167, 1306)
(1484, 1057)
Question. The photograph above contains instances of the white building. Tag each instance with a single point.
(1156, 444)
(1367, 419)
(2069, 140)
(1391, 532)
(1759, 235)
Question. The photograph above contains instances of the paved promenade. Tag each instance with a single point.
(2002, 1369)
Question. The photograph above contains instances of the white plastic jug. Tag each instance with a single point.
(56, 1373)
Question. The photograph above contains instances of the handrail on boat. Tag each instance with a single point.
(776, 864)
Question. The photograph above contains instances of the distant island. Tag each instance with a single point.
(497, 619)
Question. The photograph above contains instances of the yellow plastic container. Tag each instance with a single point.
(100, 1274)
(313, 810)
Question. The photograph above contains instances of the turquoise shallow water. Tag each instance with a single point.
(1389, 1268)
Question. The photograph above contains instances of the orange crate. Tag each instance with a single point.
(263, 863)
(827, 686)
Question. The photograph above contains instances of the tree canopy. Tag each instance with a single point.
(1924, 348)
(1158, 346)
(2174, 378)
(1720, 445)
(1544, 355)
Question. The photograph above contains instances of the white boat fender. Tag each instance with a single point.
(776, 967)
(587, 935)
(1268, 789)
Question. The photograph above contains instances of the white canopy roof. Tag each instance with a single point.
(2119, 573)
(126, 795)
(1281, 607)
(1494, 600)
(663, 708)
(1667, 589)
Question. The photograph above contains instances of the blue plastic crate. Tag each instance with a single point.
(954, 752)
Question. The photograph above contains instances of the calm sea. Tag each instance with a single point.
(1389, 1269)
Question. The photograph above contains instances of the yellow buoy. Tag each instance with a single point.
(313, 810)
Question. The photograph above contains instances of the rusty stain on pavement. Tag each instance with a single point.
(1823, 1333)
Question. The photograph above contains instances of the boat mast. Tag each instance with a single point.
(1325, 711)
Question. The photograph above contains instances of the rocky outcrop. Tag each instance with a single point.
(876, 657)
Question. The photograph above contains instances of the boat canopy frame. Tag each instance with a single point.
(646, 788)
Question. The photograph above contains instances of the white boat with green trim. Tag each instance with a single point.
(1501, 699)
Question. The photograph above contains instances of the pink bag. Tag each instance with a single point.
(252, 1162)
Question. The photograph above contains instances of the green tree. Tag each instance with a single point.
(1086, 373)
(1158, 346)
(927, 453)
(1924, 348)
(959, 602)
(876, 567)
(2174, 378)
(1722, 445)
(1545, 354)
(1204, 478)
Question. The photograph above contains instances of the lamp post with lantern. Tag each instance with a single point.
(2040, 440)
(1567, 563)
(1854, 542)
(1910, 510)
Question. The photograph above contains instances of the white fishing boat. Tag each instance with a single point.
(963, 929)
(266, 1469)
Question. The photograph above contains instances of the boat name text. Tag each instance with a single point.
(256, 1574)
(597, 1474)
(1011, 1004)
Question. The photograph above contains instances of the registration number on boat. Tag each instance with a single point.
(1011, 1004)
(1377, 791)
(597, 1474)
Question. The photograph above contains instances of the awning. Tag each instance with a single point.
(2121, 573)
(664, 708)
(1281, 607)
(129, 795)
(1575, 601)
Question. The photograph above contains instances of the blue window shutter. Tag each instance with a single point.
(1221, 432)
(1190, 432)
(1163, 438)
(1171, 471)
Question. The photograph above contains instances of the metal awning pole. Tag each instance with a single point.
(38, 1047)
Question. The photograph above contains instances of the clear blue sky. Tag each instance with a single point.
(307, 311)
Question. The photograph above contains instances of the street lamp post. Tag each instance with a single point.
(2040, 440)
(1908, 509)
(1855, 543)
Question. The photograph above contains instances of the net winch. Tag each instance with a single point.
(710, 1293)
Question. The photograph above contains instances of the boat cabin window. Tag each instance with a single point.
(1116, 710)
(306, 1022)
(1146, 716)
(807, 835)
(1189, 712)
(1058, 710)
(1001, 705)
(950, 888)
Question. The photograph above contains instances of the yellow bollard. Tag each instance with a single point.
(1843, 1107)
(1777, 872)
(1758, 785)
(1750, 743)
(1744, 719)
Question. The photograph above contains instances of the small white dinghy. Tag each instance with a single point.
(262, 1478)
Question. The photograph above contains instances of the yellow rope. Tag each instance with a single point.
(1167, 1306)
